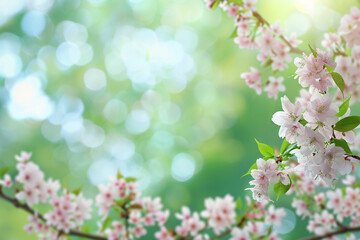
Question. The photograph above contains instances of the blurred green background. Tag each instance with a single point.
(151, 87)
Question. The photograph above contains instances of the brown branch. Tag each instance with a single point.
(341, 226)
(26, 208)
(263, 21)
(127, 225)
(347, 156)
(336, 232)
(337, 52)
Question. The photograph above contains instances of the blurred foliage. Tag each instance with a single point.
(151, 87)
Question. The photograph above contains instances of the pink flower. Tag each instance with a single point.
(220, 212)
(163, 234)
(288, 120)
(185, 214)
(253, 79)
(330, 40)
(300, 206)
(274, 216)
(294, 42)
(105, 198)
(320, 114)
(182, 230)
(334, 200)
(256, 228)
(243, 27)
(260, 193)
(149, 220)
(349, 27)
(309, 140)
(239, 234)
(24, 157)
(311, 71)
(29, 174)
(6, 182)
(349, 180)
(209, 3)
(139, 231)
(162, 217)
(276, 27)
(135, 217)
(250, 4)
(195, 224)
(29, 194)
(274, 87)
(233, 11)
(266, 41)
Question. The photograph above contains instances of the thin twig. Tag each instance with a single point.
(347, 156)
(265, 22)
(336, 232)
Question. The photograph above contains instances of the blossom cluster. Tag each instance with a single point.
(121, 196)
(326, 210)
(345, 44)
(317, 129)
(68, 209)
(43, 230)
(267, 172)
(253, 32)
(309, 128)
(312, 70)
(126, 214)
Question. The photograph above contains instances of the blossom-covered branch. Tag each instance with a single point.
(125, 214)
(281, 36)
(319, 146)
(26, 208)
(252, 31)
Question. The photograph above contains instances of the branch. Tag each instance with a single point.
(26, 208)
(265, 22)
(339, 231)
(347, 156)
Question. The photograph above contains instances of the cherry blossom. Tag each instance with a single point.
(274, 87)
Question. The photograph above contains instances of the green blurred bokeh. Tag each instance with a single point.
(188, 106)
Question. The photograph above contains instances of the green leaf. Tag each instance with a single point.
(4, 170)
(254, 166)
(292, 147)
(77, 191)
(303, 122)
(330, 69)
(284, 146)
(237, 2)
(119, 175)
(120, 202)
(234, 33)
(239, 203)
(347, 124)
(339, 81)
(130, 179)
(265, 149)
(313, 51)
(341, 143)
(215, 4)
(280, 188)
(106, 224)
(86, 228)
(343, 108)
